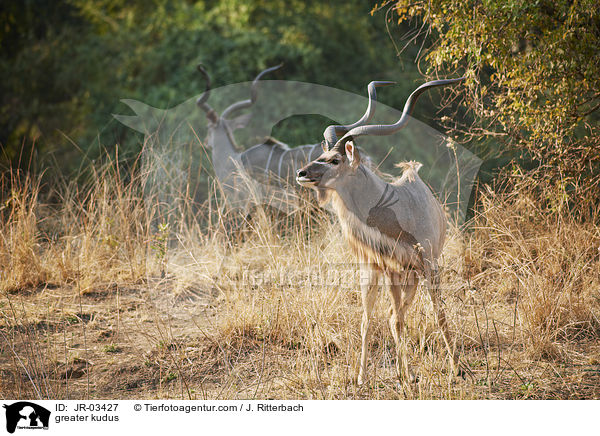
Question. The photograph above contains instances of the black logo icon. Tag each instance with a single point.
(24, 414)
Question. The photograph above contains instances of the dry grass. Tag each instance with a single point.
(107, 292)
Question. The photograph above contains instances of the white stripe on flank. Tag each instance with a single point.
(311, 150)
(279, 169)
(269, 161)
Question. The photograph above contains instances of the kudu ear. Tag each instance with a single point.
(325, 146)
(241, 121)
(352, 154)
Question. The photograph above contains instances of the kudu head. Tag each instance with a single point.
(229, 120)
(331, 169)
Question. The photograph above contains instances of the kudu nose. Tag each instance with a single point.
(301, 173)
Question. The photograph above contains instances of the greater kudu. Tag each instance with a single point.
(272, 163)
(397, 229)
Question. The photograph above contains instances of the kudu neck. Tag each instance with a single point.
(224, 154)
(223, 141)
(360, 192)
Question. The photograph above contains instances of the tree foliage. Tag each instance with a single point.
(533, 77)
(66, 64)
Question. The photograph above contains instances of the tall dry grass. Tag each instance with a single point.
(547, 261)
(99, 231)
(272, 309)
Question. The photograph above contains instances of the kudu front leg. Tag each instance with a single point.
(369, 278)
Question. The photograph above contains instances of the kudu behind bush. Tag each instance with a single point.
(272, 164)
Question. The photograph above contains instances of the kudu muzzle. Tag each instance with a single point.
(311, 174)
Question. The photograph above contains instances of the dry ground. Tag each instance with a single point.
(98, 301)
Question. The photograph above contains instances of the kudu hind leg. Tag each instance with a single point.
(402, 290)
(369, 279)
(433, 284)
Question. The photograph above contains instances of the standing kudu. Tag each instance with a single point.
(396, 229)
(271, 163)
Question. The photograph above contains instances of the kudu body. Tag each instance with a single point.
(271, 164)
(396, 229)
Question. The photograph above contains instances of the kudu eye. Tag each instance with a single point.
(335, 161)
